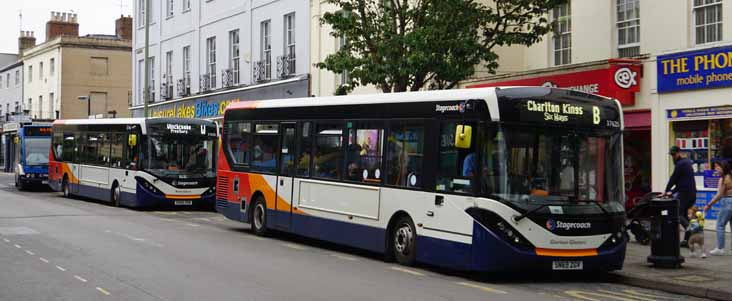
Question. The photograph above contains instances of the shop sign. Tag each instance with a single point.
(699, 112)
(619, 81)
(198, 109)
(700, 69)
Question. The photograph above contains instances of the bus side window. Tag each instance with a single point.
(68, 152)
(405, 149)
(264, 151)
(131, 152)
(456, 166)
(328, 150)
(118, 146)
(238, 141)
(364, 151)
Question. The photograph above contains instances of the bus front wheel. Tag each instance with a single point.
(115, 194)
(259, 217)
(404, 241)
(19, 183)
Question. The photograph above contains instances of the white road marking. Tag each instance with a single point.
(482, 287)
(79, 278)
(626, 295)
(403, 270)
(29, 252)
(43, 259)
(296, 247)
(6, 240)
(344, 257)
(61, 269)
(18, 246)
(204, 219)
(103, 291)
(193, 225)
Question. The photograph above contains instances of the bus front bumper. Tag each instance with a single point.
(147, 198)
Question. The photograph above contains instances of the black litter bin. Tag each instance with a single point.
(665, 249)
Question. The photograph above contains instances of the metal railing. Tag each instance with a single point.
(286, 65)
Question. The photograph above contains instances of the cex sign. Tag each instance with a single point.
(619, 80)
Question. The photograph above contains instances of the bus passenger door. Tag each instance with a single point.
(284, 200)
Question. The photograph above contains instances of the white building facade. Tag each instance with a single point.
(42, 81)
(205, 54)
(11, 90)
(677, 94)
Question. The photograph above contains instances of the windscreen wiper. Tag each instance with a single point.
(518, 218)
(601, 208)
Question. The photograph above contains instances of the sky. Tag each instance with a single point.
(94, 16)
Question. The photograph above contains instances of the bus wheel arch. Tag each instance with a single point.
(401, 226)
(258, 214)
(115, 194)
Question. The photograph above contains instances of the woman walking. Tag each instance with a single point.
(724, 193)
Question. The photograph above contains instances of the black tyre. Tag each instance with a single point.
(19, 183)
(404, 241)
(259, 217)
(116, 192)
(65, 187)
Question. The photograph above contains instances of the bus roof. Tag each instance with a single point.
(139, 120)
(489, 95)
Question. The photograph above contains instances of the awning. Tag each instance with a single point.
(637, 120)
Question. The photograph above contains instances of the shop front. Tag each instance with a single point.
(695, 109)
(618, 79)
(212, 106)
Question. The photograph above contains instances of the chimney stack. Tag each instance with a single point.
(62, 24)
(25, 41)
(123, 27)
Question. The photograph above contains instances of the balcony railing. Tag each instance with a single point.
(166, 88)
(184, 87)
(208, 81)
(262, 71)
(286, 65)
(227, 78)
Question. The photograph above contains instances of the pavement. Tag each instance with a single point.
(709, 277)
(56, 248)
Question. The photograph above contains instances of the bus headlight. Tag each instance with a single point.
(500, 227)
(144, 183)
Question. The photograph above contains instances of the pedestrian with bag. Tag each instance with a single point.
(724, 196)
(683, 186)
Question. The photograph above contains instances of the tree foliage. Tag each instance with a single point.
(408, 45)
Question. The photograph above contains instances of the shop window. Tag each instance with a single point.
(238, 140)
(704, 142)
(305, 147)
(264, 147)
(405, 153)
(364, 151)
(328, 150)
(456, 166)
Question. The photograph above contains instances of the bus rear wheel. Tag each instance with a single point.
(404, 241)
(259, 217)
(65, 187)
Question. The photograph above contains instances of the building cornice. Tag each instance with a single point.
(78, 42)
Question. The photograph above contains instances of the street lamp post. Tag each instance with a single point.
(88, 104)
(146, 90)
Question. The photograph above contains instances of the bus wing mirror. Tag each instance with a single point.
(132, 140)
(463, 136)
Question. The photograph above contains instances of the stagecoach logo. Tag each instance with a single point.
(553, 225)
(452, 108)
(179, 128)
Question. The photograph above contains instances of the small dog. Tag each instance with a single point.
(696, 231)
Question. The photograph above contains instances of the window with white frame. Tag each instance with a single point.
(17, 77)
(30, 105)
(30, 74)
(52, 66)
(7, 80)
(290, 42)
(40, 106)
(168, 76)
(234, 56)
(170, 6)
(40, 71)
(151, 61)
(140, 81)
(1, 83)
(344, 76)
(562, 17)
(211, 61)
(186, 5)
(141, 5)
(51, 105)
(186, 65)
(707, 21)
(266, 48)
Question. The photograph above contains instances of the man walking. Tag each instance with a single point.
(682, 184)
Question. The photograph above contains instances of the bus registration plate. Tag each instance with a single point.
(186, 202)
(567, 265)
